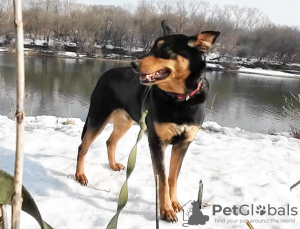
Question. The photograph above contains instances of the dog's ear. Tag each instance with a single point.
(204, 40)
(168, 29)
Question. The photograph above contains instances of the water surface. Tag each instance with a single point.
(62, 87)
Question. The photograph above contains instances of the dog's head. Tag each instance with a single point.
(175, 61)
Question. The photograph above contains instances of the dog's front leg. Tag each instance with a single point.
(178, 153)
(157, 149)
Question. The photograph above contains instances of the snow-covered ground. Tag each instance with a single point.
(237, 168)
(260, 71)
(2, 49)
(214, 66)
(67, 54)
(215, 57)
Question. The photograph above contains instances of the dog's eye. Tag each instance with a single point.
(166, 48)
(168, 51)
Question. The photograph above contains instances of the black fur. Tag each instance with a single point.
(120, 88)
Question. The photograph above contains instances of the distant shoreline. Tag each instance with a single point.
(36, 53)
(211, 65)
(266, 73)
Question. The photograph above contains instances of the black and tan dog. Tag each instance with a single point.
(176, 107)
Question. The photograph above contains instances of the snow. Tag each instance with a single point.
(38, 42)
(214, 66)
(237, 167)
(2, 49)
(295, 64)
(2, 39)
(67, 54)
(97, 46)
(212, 55)
(267, 72)
(71, 44)
(112, 56)
(27, 41)
(109, 46)
(137, 49)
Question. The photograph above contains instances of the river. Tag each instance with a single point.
(62, 87)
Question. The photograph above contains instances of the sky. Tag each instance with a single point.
(281, 12)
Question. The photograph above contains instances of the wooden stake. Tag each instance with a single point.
(157, 200)
(249, 225)
(200, 194)
(295, 185)
(17, 197)
(3, 217)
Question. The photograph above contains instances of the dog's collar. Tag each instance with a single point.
(184, 97)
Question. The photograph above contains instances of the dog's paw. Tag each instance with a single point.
(81, 178)
(168, 215)
(176, 206)
(117, 166)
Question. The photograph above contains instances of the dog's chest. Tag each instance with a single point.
(168, 131)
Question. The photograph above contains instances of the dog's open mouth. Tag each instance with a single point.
(155, 76)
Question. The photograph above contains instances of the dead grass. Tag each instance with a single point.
(69, 122)
(292, 107)
(295, 133)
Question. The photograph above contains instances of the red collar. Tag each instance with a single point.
(188, 96)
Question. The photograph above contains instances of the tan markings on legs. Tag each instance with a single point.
(178, 152)
(166, 210)
(122, 122)
(90, 135)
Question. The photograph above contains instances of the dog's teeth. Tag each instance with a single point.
(151, 77)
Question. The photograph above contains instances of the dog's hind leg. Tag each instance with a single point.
(89, 134)
(122, 123)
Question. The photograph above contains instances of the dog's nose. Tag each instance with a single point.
(135, 64)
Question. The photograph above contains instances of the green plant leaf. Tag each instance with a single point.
(29, 206)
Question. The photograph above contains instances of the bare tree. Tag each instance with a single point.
(146, 19)
(88, 28)
(6, 17)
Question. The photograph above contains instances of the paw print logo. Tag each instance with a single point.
(261, 210)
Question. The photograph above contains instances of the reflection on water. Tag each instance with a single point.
(54, 86)
(62, 87)
(252, 102)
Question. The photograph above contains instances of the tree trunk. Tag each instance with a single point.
(17, 197)
(3, 217)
